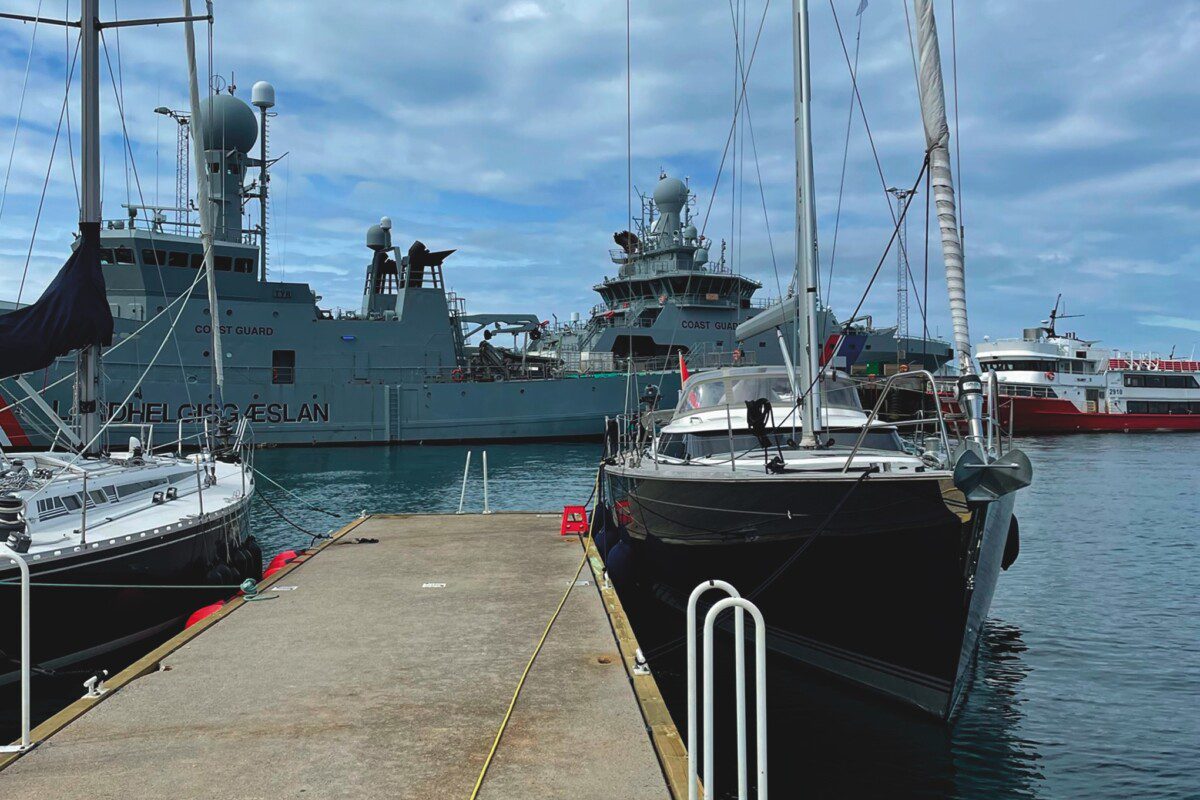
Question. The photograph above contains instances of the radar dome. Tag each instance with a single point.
(262, 94)
(689, 233)
(670, 195)
(227, 123)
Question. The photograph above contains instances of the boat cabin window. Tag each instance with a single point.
(707, 444)
(197, 260)
(1175, 407)
(177, 259)
(223, 263)
(736, 390)
(1161, 381)
(1022, 366)
(283, 366)
(123, 255)
(243, 265)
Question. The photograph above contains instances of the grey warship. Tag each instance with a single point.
(670, 297)
(397, 370)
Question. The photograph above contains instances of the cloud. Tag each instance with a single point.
(1179, 323)
(500, 130)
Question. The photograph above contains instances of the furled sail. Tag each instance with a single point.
(71, 314)
(937, 140)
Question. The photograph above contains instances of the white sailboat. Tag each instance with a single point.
(120, 542)
(872, 547)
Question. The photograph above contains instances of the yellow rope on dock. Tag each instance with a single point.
(525, 673)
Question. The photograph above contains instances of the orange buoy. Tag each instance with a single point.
(271, 571)
(201, 613)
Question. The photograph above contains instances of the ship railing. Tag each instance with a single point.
(938, 421)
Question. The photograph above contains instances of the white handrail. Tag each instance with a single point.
(760, 697)
(740, 667)
(23, 566)
(486, 510)
(462, 497)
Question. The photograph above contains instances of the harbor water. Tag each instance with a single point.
(1088, 679)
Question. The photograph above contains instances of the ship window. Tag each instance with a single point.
(154, 258)
(283, 366)
(245, 265)
(224, 263)
(71, 502)
(1153, 381)
(106, 256)
(197, 260)
(177, 259)
(123, 255)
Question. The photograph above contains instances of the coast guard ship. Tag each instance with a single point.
(399, 369)
(669, 297)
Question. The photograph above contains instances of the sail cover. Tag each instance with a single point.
(72, 313)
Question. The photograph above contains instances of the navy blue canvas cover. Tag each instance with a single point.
(72, 313)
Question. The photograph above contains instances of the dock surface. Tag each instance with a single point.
(384, 673)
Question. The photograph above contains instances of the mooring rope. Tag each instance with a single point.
(536, 650)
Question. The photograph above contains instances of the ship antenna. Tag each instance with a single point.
(262, 96)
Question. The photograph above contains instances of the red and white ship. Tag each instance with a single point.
(1052, 383)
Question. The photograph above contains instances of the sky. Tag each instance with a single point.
(499, 128)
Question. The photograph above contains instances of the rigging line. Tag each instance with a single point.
(837, 220)
(262, 496)
(21, 107)
(762, 195)
(912, 48)
(137, 385)
(293, 495)
(962, 218)
(45, 184)
(729, 137)
(67, 84)
(874, 275)
(121, 94)
(128, 151)
(863, 112)
(628, 112)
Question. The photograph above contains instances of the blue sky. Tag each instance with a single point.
(499, 128)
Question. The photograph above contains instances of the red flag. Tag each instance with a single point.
(683, 370)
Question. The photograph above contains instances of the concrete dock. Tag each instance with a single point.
(382, 670)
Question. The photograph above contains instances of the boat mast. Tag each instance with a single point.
(87, 360)
(937, 141)
(206, 224)
(806, 232)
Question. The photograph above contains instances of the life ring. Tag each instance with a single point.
(1049, 376)
(457, 375)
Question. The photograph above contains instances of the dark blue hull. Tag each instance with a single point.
(889, 592)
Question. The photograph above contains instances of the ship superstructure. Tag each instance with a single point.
(672, 295)
(397, 369)
(1059, 383)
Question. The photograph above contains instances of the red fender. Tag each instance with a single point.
(202, 613)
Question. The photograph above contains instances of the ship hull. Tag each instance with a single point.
(111, 607)
(891, 595)
(1049, 415)
(362, 413)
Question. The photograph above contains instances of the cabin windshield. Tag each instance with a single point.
(836, 392)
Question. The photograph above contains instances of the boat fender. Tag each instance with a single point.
(1012, 545)
(283, 558)
(222, 574)
(1049, 376)
(271, 571)
(620, 564)
(201, 613)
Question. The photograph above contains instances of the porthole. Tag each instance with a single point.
(229, 312)
(275, 314)
(205, 354)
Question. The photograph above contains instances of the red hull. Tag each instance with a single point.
(1047, 415)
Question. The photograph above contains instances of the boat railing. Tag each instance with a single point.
(741, 606)
(26, 663)
(888, 386)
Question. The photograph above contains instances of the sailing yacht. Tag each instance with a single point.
(120, 543)
(872, 546)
